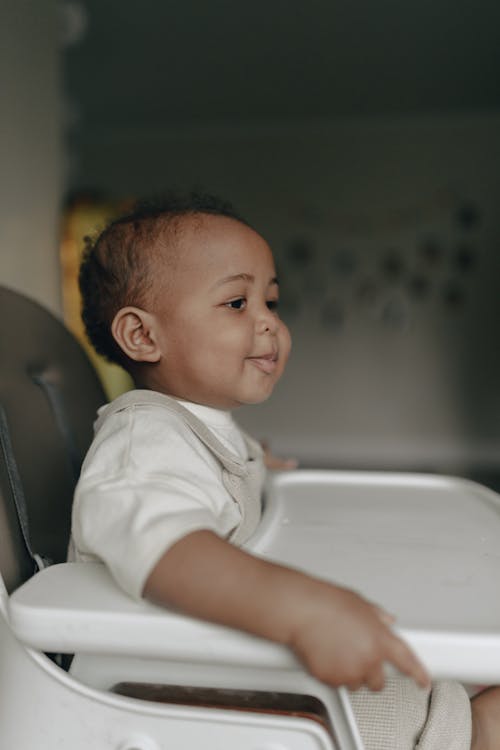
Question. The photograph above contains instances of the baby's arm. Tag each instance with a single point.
(341, 638)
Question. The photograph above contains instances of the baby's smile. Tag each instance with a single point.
(267, 363)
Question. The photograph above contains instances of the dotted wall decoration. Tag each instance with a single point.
(388, 283)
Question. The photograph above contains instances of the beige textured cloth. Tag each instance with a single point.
(406, 717)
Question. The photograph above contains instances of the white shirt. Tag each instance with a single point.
(146, 482)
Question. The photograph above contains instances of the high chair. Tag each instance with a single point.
(82, 665)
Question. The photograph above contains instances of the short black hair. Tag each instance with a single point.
(116, 267)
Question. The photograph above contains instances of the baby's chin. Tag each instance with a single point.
(255, 400)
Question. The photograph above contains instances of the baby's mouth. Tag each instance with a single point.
(265, 362)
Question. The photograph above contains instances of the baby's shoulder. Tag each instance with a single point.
(141, 437)
(143, 421)
(136, 407)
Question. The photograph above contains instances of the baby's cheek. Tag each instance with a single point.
(285, 341)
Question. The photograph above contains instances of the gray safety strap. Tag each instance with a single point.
(53, 395)
(16, 487)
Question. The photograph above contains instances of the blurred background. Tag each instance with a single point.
(361, 138)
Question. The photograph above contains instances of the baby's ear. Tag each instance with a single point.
(134, 332)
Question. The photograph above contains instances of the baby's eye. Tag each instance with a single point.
(237, 304)
(272, 304)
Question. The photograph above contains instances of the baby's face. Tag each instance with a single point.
(222, 342)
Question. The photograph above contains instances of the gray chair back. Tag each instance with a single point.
(49, 393)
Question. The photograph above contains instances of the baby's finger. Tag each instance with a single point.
(274, 462)
(384, 616)
(375, 679)
(403, 658)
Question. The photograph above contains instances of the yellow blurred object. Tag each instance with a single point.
(87, 217)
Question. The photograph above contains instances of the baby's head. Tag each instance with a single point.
(184, 296)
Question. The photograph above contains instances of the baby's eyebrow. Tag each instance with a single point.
(242, 277)
(236, 277)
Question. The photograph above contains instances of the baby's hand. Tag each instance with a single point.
(275, 462)
(339, 637)
(343, 639)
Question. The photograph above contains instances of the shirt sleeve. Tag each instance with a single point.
(147, 482)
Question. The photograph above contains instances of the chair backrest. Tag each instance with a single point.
(49, 393)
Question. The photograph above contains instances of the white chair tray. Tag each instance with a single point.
(427, 548)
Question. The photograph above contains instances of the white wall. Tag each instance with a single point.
(30, 149)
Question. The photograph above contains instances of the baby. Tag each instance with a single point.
(185, 297)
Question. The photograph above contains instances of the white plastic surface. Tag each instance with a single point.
(42, 708)
(76, 607)
(425, 547)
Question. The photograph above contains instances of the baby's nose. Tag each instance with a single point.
(267, 321)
